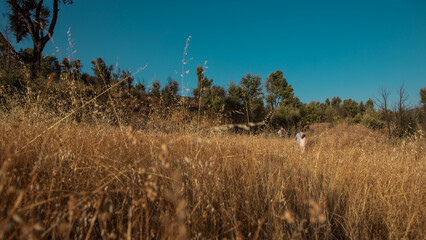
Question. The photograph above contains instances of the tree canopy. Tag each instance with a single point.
(278, 89)
(31, 18)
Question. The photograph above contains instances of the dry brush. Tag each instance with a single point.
(94, 181)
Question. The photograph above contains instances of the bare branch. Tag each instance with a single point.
(38, 11)
(403, 98)
(383, 100)
(383, 106)
(52, 23)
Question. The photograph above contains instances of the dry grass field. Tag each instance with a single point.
(79, 181)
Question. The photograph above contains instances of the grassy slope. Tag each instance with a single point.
(79, 181)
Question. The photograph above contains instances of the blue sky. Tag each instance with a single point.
(325, 48)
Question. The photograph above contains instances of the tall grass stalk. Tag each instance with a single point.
(183, 73)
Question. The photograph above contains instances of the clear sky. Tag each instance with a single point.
(324, 48)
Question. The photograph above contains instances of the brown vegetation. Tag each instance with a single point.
(97, 181)
(320, 126)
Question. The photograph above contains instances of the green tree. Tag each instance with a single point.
(423, 96)
(88, 79)
(202, 90)
(140, 89)
(327, 102)
(72, 69)
(296, 102)
(102, 71)
(361, 108)
(258, 110)
(330, 114)
(155, 89)
(234, 106)
(203, 83)
(251, 90)
(278, 90)
(10, 70)
(336, 105)
(217, 99)
(169, 92)
(350, 108)
(50, 64)
(66, 65)
(127, 80)
(213, 99)
(287, 116)
(31, 18)
(423, 101)
(312, 112)
(369, 105)
(335, 102)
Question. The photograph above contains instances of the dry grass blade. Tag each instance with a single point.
(81, 182)
(74, 111)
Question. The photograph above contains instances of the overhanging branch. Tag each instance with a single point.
(52, 23)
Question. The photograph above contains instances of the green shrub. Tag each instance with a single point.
(372, 122)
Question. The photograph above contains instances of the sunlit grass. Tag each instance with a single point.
(92, 181)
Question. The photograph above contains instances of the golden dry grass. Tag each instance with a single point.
(81, 181)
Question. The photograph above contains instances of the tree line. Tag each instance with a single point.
(247, 101)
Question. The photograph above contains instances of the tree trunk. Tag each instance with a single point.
(388, 124)
(35, 63)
